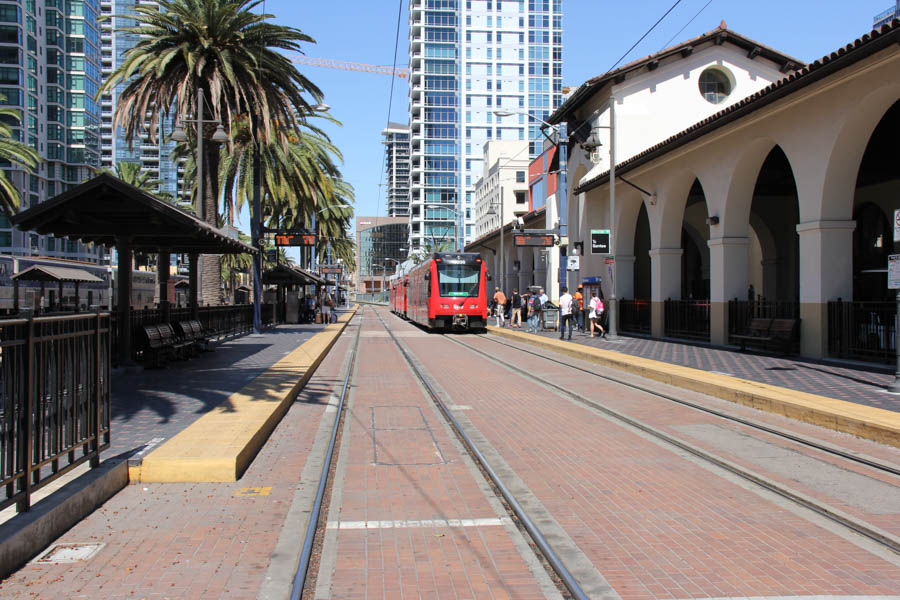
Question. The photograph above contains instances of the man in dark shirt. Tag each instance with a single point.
(516, 301)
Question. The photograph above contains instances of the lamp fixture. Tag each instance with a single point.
(714, 220)
(178, 134)
(592, 142)
(219, 136)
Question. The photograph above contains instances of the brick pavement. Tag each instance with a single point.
(654, 522)
(401, 485)
(159, 403)
(854, 383)
(210, 540)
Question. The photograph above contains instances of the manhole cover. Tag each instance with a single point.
(66, 553)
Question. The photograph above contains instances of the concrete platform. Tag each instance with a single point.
(220, 445)
(868, 422)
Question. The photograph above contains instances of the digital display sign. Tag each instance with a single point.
(527, 239)
(327, 270)
(293, 239)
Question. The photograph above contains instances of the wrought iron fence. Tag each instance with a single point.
(687, 319)
(741, 312)
(54, 399)
(634, 316)
(862, 330)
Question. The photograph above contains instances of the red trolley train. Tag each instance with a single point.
(398, 294)
(448, 290)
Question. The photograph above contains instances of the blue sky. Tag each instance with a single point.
(596, 33)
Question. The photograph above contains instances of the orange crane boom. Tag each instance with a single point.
(328, 63)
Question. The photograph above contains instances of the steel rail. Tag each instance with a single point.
(818, 445)
(312, 526)
(535, 533)
(883, 538)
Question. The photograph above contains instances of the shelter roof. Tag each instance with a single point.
(719, 35)
(105, 208)
(288, 275)
(65, 274)
(888, 36)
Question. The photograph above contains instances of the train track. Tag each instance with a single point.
(881, 537)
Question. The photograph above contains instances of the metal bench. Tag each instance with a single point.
(184, 330)
(770, 332)
(158, 350)
(179, 345)
(200, 336)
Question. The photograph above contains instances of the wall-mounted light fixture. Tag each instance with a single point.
(579, 248)
(517, 265)
(712, 220)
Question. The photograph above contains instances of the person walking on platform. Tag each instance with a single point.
(596, 314)
(534, 313)
(500, 306)
(578, 308)
(516, 301)
(566, 306)
(544, 299)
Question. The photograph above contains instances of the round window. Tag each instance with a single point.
(715, 85)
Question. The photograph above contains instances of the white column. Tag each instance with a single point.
(728, 274)
(665, 282)
(826, 273)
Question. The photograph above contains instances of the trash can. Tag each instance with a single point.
(551, 319)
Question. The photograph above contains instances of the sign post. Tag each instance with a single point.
(894, 284)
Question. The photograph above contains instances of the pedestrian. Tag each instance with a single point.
(544, 299)
(534, 313)
(578, 308)
(566, 306)
(327, 303)
(516, 302)
(596, 314)
(499, 306)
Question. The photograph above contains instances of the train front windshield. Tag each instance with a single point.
(458, 280)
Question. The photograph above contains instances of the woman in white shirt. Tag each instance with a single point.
(596, 314)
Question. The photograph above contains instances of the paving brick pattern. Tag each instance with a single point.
(853, 383)
(655, 524)
(401, 466)
(195, 540)
(681, 422)
(159, 403)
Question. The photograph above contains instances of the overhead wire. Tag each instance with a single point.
(677, 2)
(666, 45)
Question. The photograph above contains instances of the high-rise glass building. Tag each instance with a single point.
(153, 156)
(396, 158)
(886, 16)
(468, 59)
(50, 73)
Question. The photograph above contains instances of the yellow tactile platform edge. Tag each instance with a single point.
(876, 424)
(220, 445)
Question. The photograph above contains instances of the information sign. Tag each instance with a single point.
(330, 270)
(572, 263)
(599, 241)
(610, 260)
(294, 239)
(530, 239)
(894, 272)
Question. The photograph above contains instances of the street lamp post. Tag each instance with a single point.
(559, 212)
(502, 273)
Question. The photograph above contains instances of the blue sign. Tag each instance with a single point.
(592, 279)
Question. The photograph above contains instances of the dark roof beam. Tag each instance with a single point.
(754, 52)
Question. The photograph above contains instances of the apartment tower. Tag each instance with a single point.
(396, 157)
(50, 73)
(468, 59)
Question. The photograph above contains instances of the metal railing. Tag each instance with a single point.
(741, 312)
(634, 316)
(862, 330)
(687, 319)
(376, 298)
(54, 399)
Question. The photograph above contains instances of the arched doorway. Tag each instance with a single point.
(634, 314)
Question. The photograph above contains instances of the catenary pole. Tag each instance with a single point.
(613, 328)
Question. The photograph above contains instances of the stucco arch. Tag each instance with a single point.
(735, 215)
(846, 155)
(666, 219)
(628, 205)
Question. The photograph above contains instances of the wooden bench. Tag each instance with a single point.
(158, 349)
(769, 332)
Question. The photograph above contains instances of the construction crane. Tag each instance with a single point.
(328, 63)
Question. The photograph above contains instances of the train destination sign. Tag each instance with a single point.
(533, 239)
(599, 241)
(326, 270)
(295, 239)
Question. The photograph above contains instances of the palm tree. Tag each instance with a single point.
(16, 153)
(232, 264)
(230, 53)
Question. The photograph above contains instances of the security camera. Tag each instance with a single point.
(520, 223)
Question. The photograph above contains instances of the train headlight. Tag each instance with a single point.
(473, 306)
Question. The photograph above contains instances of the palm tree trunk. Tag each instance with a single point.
(211, 269)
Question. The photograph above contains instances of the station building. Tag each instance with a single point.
(745, 182)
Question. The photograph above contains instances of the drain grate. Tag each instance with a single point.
(68, 553)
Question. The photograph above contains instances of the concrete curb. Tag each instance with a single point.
(879, 425)
(221, 444)
(28, 533)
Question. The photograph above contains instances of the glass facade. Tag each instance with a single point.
(154, 156)
(469, 58)
(381, 249)
(50, 73)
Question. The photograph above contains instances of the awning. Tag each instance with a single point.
(288, 275)
(105, 210)
(57, 274)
